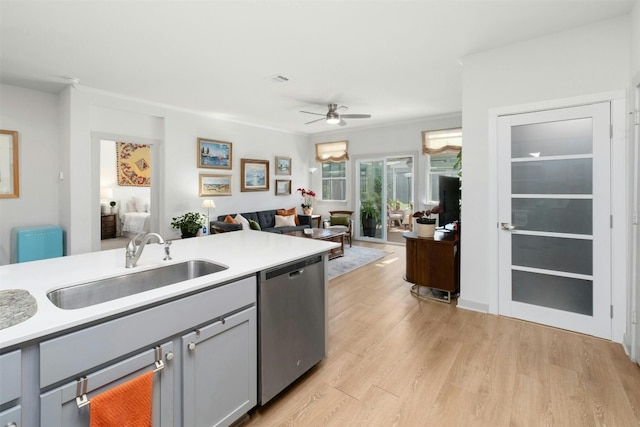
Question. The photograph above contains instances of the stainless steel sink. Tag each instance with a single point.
(98, 291)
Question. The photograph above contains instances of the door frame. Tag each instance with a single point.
(619, 197)
(417, 163)
(156, 181)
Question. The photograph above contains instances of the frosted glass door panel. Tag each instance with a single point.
(552, 177)
(561, 293)
(552, 253)
(568, 137)
(572, 216)
(554, 235)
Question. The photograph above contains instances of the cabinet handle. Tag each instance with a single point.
(169, 356)
(191, 346)
(11, 424)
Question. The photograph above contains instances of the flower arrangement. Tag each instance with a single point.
(308, 196)
(424, 217)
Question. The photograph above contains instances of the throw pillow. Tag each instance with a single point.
(140, 204)
(254, 225)
(285, 221)
(230, 219)
(242, 220)
(287, 212)
(339, 220)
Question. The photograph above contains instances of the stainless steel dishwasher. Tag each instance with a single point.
(291, 325)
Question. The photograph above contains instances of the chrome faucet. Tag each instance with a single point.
(135, 250)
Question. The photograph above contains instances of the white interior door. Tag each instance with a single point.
(554, 218)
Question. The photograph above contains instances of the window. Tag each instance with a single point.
(334, 181)
(333, 157)
(442, 148)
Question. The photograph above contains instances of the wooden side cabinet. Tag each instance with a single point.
(433, 263)
(108, 226)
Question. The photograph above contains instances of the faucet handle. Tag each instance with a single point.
(167, 250)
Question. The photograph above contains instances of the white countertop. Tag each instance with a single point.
(244, 252)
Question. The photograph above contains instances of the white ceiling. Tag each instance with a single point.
(396, 60)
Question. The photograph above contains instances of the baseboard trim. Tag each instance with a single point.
(472, 305)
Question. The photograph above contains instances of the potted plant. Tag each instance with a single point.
(369, 215)
(425, 225)
(307, 200)
(189, 224)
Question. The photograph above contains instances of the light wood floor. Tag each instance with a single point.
(397, 361)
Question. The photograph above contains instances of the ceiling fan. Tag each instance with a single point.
(335, 116)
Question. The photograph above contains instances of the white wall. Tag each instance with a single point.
(58, 133)
(582, 61)
(398, 138)
(34, 115)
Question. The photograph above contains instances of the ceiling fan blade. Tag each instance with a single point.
(316, 120)
(317, 114)
(356, 116)
(342, 123)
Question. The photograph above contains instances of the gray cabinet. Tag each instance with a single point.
(220, 370)
(59, 407)
(11, 388)
(218, 380)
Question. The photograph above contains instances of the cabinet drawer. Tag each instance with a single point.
(59, 408)
(11, 374)
(11, 415)
(75, 353)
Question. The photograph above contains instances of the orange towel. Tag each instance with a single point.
(128, 404)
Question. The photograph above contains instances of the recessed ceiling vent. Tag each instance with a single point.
(278, 78)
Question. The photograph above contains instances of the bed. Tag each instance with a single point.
(134, 217)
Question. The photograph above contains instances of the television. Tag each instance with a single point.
(449, 192)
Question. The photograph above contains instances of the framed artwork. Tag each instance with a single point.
(283, 165)
(214, 185)
(133, 163)
(254, 175)
(9, 165)
(214, 154)
(283, 187)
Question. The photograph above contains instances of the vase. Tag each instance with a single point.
(425, 230)
(307, 211)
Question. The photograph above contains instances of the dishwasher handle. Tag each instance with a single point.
(296, 273)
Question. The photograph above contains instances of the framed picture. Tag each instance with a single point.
(215, 185)
(283, 187)
(9, 165)
(283, 165)
(254, 175)
(214, 154)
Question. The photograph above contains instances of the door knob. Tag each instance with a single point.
(506, 226)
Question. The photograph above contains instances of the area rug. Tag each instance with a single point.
(354, 257)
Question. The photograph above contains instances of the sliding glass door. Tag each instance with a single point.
(384, 192)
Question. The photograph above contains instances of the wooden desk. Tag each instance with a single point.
(433, 265)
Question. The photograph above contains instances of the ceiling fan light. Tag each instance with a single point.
(333, 120)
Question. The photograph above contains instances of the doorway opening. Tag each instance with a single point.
(385, 198)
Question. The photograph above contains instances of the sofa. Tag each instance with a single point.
(265, 220)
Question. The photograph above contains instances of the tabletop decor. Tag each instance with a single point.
(189, 224)
(307, 200)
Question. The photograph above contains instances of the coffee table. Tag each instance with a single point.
(325, 234)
